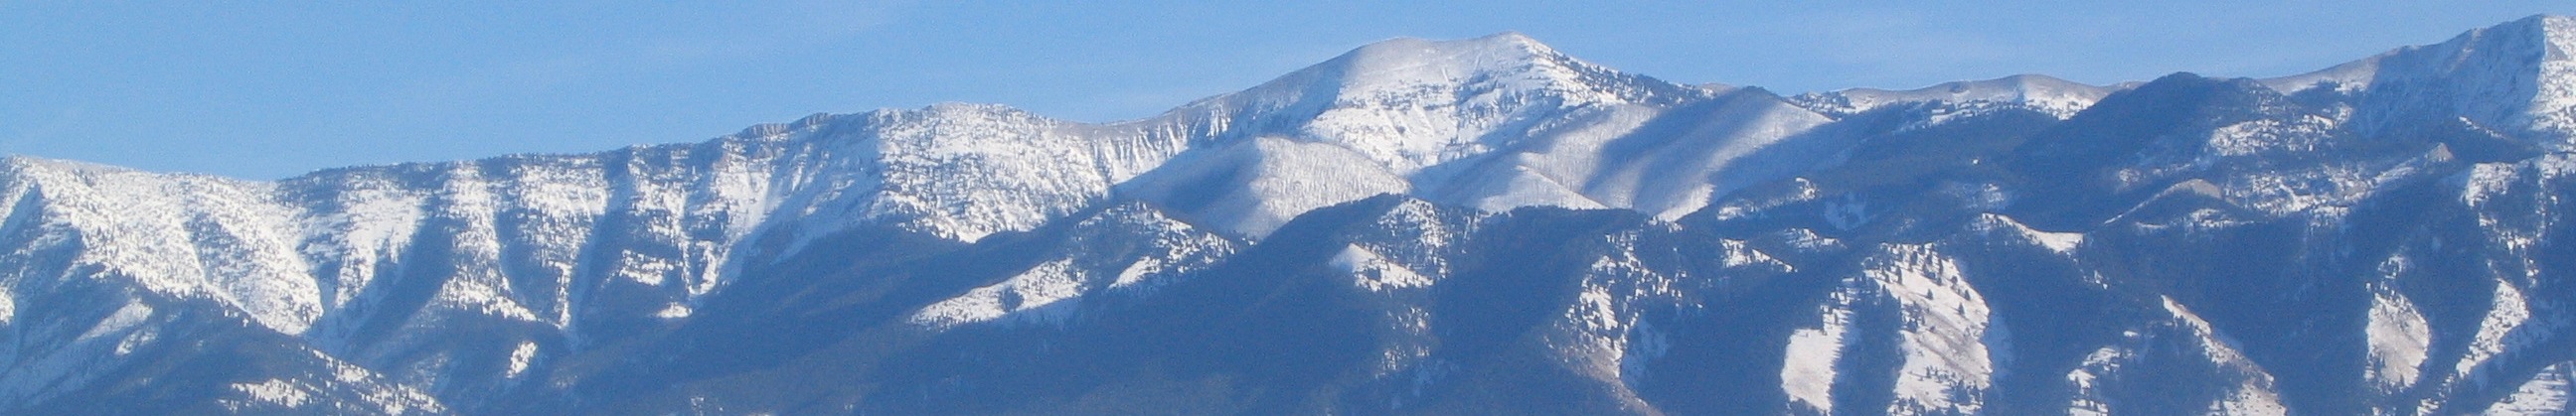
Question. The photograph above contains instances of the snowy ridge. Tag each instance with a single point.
(534, 238)
(1671, 176)
(1411, 103)
(1250, 188)
(1496, 123)
(1128, 249)
(2349, 77)
(177, 235)
(2043, 93)
(2061, 242)
(2517, 77)
(2254, 392)
(966, 171)
(2549, 392)
(525, 283)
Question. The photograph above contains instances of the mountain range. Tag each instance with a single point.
(1476, 226)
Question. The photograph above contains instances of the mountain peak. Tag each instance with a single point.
(1517, 60)
(2530, 40)
(1508, 63)
(1409, 103)
(2516, 76)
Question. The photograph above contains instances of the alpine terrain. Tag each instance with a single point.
(1478, 226)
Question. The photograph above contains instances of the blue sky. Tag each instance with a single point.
(271, 90)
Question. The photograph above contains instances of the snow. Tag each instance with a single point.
(2266, 136)
(967, 171)
(1949, 340)
(375, 222)
(1807, 373)
(2252, 396)
(2318, 191)
(2496, 332)
(529, 236)
(1671, 176)
(2515, 77)
(1253, 187)
(379, 392)
(1369, 271)
(125, 318)
(2398, 339)
(1520, 185)
(284, 393)
(178, 235)
(1156, 249)
(1748, 207)
(1549, 168)
(2060, 242)
(1948, 362)
(1039, 286)
(482, 298)
(1421, 236)
(1648, 344)
(1173, 247)
(1597, 314)
(2547, 393)
(674, 311)
(2481, 185)
(1493, 123)
(2088, 398)
(1738, 254)
(520, 358)
(2057, 97)
(1809, 240)
(2348, 77)
(1407, 104)
(1601, 334)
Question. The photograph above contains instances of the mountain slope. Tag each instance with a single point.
(1473, 226)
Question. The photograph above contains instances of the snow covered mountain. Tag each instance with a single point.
(1471, 226)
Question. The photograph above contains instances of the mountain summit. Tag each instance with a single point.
(1473, 226)
(2514, 78)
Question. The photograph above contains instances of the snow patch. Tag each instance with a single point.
(2547, 393)
(2060, 242)
(1948, 364)
(675, 311)
(520, 358)
(2398, 339)
(125, 318)
(1040, 286)
(1369, 271)
(283, 393)
(2088, 398)
(1252, 188)
(1808, 371)
(1137, 272)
